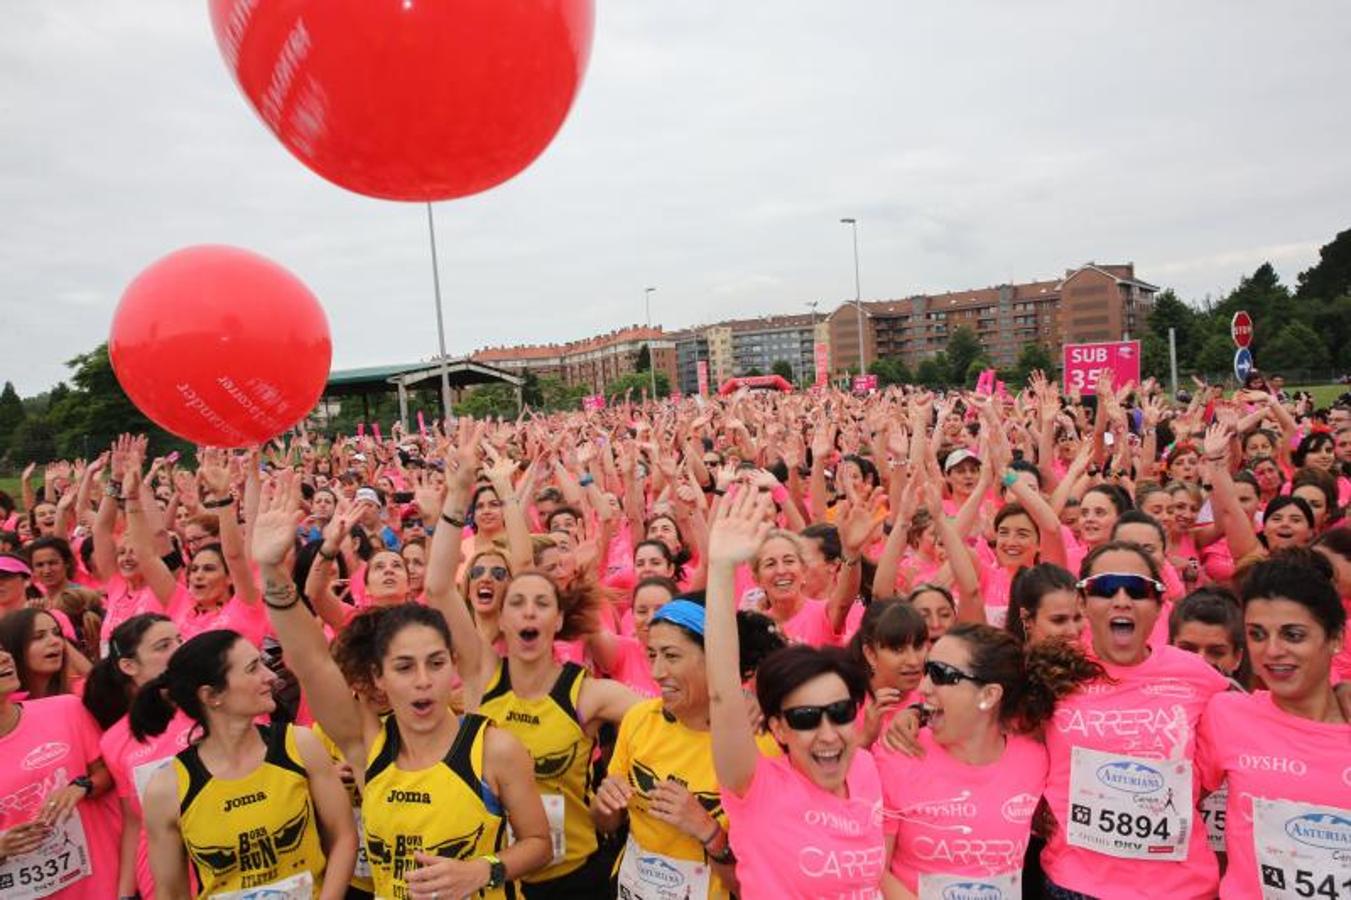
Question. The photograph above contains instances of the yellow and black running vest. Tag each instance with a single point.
(549, 728)
(444, 810)
(253, 831)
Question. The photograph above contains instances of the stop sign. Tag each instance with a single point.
(1241, 329)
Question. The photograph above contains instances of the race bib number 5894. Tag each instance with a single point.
(1128, 807)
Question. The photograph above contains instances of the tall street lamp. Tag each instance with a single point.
(651, 363)
(858, 297)
(440, 321)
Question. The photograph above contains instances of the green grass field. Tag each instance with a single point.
(1324, 395)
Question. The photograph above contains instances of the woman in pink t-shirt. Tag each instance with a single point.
(779, 571)
(807, 824)
(1121, 787)
(58, 837)
(383, 579)
(45, 660)
(1284, 752)
(1044, 604)
(962, 813)
(221, 592)
(624, 658)
(138, 651)
(890, 645)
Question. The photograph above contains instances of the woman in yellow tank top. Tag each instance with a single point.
(247, 806)
(437, 791)
(554, 709)
(661, 776)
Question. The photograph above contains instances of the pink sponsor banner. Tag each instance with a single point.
(1083, 362)
(865, 383)
(985, 383)
(702, 368)
(593, 402)
(822, 363)
(421, 424)
(375, 428)
(361, 429)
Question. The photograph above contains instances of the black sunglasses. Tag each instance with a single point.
(945, 675)
(808, 718)
(499, 573)
(1137, 587)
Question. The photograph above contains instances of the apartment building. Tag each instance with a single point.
(1090, 303)
(591, 362)
(737, 347)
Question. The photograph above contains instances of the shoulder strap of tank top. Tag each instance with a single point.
(198, 776)
(562, 691)
(460, 758)
(501, 683)
(388, 753)
(278, 754)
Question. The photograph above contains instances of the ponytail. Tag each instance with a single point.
(203, 661)
(107, 689)
(151, 710)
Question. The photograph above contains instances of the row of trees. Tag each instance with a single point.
(1304, 333)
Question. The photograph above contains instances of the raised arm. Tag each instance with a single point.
(513, 514)
(1048, 523)
(344, 718)
(157, 575)
(739, 526)
(1236, 527)
(214, 475)
(474, 659)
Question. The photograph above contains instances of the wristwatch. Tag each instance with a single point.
(83, 781)
(497, 872)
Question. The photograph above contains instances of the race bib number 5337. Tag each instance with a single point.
(1128, 807)
(61, 860)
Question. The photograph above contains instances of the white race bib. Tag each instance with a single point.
(142, 774)
(363, 866)
(555, 810)
(1302, 850)
(651, 876)
(1212, 813)
(1008, 886)
(297, 887)
(60, 861)
(1129, 807)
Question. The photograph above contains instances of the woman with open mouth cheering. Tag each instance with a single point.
(437, 791)
(807, 824)
(554, 709)
(1121, 787)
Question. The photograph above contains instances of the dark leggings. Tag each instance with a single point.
(592, 880)
(1053, 891)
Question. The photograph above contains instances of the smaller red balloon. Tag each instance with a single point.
(220, 346)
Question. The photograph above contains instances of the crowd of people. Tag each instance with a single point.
(800, 645)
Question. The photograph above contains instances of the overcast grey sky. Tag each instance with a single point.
(712, 152)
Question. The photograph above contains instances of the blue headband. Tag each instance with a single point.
(685, 613)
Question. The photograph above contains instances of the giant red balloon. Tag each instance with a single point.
(220, 346)
(409, 99)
